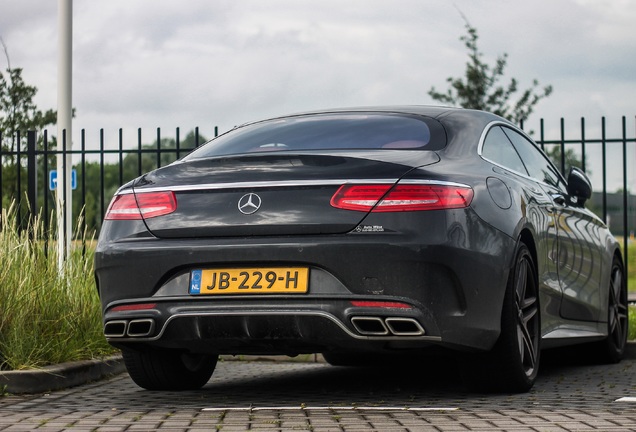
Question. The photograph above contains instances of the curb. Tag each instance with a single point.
(73, 374)
(57, 377)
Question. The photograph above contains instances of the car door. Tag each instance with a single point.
(579, 256)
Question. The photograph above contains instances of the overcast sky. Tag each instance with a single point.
(206, 63)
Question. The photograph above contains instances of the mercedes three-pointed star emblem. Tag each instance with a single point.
(249, 203)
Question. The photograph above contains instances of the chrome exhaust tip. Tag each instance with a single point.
(404, 326)
(114, 329)
(369, 326)
(140, 327)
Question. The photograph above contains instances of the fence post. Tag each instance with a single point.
(625, 202)
(32, 172)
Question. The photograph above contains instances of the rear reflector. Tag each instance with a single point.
(385, 198)
(381, 304)
(134, 307)
(141, 205)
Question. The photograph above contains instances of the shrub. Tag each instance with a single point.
(48, 315)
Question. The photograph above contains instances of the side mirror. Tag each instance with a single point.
(579, 185)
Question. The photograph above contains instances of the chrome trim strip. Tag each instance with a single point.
(433, 182)
(292, 313)
(287, 183)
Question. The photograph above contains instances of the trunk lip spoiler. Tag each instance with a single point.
(284, 183)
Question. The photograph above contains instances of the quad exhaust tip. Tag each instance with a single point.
(364, 325)
(389, 326)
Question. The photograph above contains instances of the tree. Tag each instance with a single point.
(18, 114)
(570, 159)
(480, 88)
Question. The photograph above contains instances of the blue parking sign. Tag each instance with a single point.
(53, 179)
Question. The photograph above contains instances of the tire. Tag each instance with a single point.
(612, 349)
(347, 359)
(170, 370)
(513, 364)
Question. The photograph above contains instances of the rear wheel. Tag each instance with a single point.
(613, 348)
(513, 364)
(162, 369)
(341, 359)
(351, 358)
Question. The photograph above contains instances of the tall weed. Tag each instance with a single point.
(47, 316)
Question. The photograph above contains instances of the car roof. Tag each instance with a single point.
(446, 115)
(426, 110)
(463, 126)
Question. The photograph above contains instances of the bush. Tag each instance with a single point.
(47, 315)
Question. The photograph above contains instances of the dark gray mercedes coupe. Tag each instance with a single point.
(357, 233)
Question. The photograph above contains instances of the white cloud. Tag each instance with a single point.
(148, 64)
(203, 63)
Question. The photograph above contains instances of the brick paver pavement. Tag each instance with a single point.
(276, 396)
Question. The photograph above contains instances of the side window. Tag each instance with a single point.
(538, 166)
(498, 149)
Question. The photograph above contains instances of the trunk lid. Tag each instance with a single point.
(270, 194)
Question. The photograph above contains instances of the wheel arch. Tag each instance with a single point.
(618, 254)
(528, 239)
(525, 236)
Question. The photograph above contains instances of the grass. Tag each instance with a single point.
(47, 316)
(631, 284)
(631, 334)
(631, 266)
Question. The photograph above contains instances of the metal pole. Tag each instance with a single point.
(625, 194)
(64, 118)
(32, 174)
(563, 148)
(604, 158)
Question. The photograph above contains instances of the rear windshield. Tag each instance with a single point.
(328, 132)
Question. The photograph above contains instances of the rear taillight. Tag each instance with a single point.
(403, 197)
(141, 205)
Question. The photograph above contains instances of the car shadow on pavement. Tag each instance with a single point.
(380, 383)
(420, 381)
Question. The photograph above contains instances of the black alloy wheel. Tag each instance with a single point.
(526, 309)
(513, 364)
(347, 358)
(617, 320)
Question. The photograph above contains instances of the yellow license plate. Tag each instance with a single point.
(273, 280)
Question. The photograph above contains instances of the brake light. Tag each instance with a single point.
(403, 197)
(141, 205)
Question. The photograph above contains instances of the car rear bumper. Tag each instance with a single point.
(271, 329)
(453, 287)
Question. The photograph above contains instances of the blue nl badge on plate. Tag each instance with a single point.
(195, 282)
